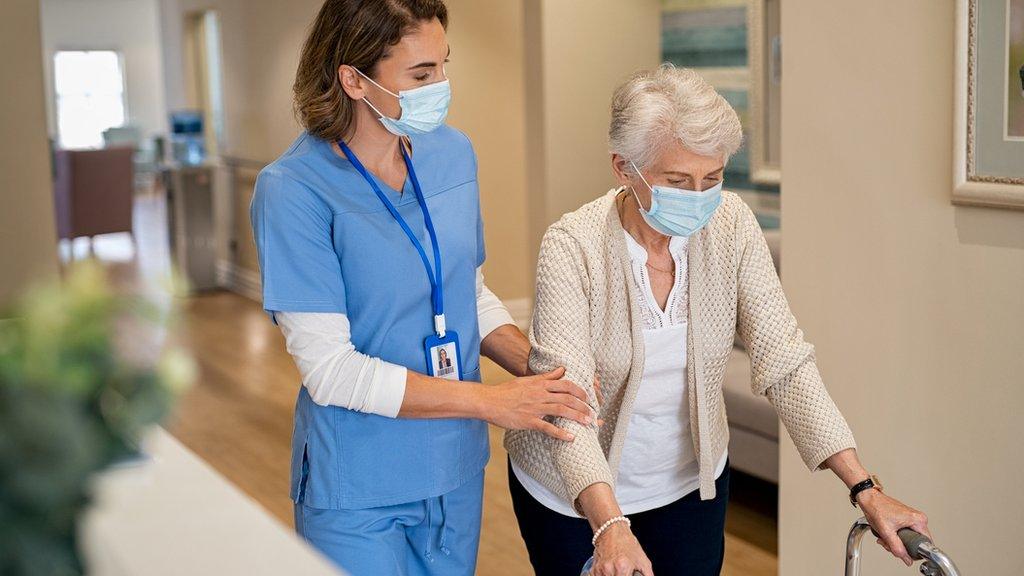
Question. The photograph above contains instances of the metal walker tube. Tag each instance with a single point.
(936, 562)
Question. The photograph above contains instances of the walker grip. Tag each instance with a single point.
(913, 540)
(919, 547)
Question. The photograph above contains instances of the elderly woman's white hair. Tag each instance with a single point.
(655, 106)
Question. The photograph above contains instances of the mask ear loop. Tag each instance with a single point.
(633, 190)
(374, 108)
(360, 72)
(367, 100)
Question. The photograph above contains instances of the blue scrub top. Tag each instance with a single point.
(327, 244)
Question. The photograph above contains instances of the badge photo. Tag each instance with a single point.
(444, 356)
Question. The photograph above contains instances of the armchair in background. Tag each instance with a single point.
(93, 191)
(145, 158)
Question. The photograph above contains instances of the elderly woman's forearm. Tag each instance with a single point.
(599, 504)
(846, 465)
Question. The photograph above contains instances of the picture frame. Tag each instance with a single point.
(988, 164)
(764, 46)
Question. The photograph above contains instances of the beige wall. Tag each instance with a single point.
(28, 240)
(578, 51)
(915, 305)
(487, 73)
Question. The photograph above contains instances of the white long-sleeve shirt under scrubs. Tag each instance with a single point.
(336, 374)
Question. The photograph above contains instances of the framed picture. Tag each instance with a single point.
(764, 46)
(988, 153)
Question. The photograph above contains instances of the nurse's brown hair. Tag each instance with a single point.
(357, 33)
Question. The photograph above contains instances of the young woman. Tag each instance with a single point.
(370, 246)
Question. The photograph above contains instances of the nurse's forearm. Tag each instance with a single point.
(509, 348)
(429, 397)
(520, 404)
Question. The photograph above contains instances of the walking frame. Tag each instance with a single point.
(936, 562)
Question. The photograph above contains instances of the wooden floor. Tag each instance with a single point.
(238, 417)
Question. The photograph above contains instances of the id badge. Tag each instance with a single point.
(444, 358)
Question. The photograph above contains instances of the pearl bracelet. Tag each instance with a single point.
(607, 525)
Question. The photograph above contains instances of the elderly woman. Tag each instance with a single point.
(646, 288)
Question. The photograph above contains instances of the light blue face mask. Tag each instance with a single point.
(424, 109)
(677, 212)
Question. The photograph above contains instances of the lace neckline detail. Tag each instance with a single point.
(676, 310)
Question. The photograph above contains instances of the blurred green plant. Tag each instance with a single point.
(71, 404)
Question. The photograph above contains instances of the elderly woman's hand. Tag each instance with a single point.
(618, 553)
(887, 515)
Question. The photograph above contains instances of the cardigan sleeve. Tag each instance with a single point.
(782, 363)
(560, 337)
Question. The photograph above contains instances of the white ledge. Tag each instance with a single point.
(172, 514)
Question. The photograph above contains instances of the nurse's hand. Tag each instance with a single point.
(523, 403)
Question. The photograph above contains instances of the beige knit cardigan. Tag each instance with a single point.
(587, 320)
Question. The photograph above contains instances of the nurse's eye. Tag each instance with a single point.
(422, 77)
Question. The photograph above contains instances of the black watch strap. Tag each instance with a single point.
(871, 482)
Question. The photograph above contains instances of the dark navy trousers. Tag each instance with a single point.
(686, 537)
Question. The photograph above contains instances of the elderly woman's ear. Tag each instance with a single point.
(622, 170)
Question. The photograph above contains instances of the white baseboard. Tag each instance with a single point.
(521, 310)
(239, 280)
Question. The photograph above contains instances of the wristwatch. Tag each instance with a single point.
(871, 482)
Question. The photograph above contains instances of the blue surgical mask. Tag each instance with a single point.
(424, 109)
(677, 212)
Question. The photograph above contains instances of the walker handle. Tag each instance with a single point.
(918, 546)
(913, 542)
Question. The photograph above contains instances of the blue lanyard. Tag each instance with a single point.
(434, 276)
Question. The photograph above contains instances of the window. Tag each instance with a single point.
(89, 88)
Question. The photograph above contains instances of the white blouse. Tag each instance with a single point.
(659, 464)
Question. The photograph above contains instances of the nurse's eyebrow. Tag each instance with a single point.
(430, 64)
